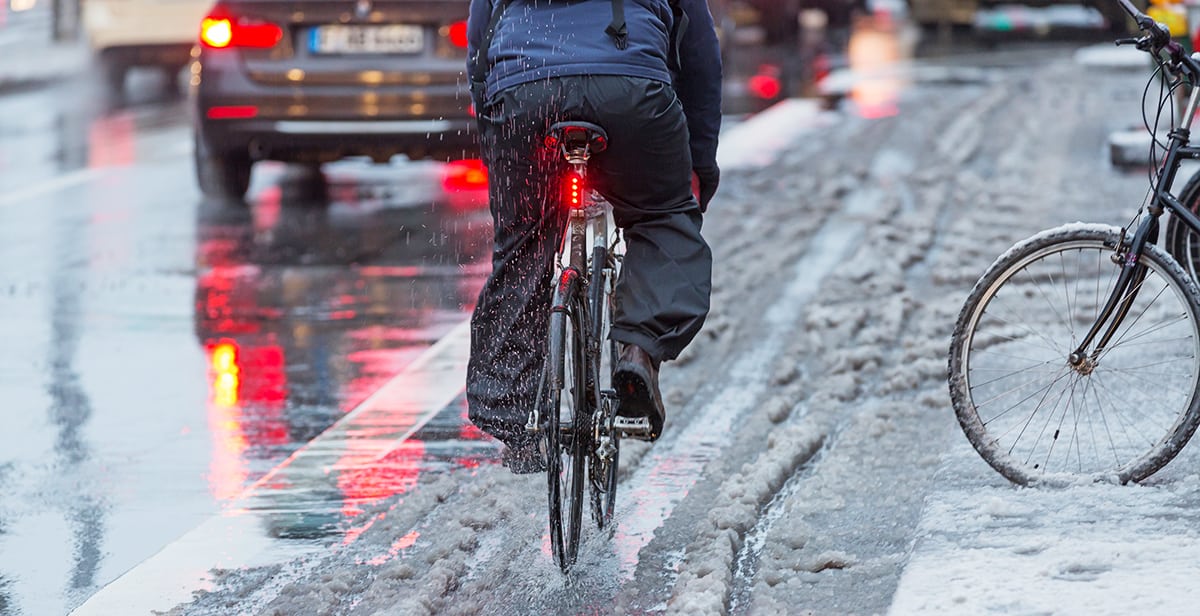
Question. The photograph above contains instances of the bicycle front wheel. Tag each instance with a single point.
(565, 413)
(1030, 413)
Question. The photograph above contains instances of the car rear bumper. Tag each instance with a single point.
(312, 120)
(172, 55)
(326, 140)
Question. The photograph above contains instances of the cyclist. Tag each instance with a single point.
(649, 72)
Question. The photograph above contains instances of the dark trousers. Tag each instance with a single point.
(662, 294)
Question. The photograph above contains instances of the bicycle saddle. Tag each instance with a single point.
(574, 134)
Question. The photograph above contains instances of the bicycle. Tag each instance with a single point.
(1076, 356)
(575, 414)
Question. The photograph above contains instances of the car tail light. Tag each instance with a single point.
(232, 112)
(219, 32)
(766, 83)
(463, 175)
(457, 33)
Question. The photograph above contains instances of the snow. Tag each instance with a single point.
(811, 461)
(986, 547)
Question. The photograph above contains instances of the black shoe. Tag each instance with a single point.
(524, 457)
(640, 411)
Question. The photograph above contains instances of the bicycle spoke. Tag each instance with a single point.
(1058, 431)
(1044, 391)
(1066, 372)
(1031, 412)
(1107, 430)
(1048, 302)
(1011, 374)
(1139, 316)
(1134, 384)
(1182, 317)
(1125, 429)
(993, 351)
(1049, 417)
(1021, 325)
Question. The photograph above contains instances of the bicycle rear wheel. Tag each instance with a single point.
(1031, 414)
(564, 411)
(1180, 240)
(606, 449)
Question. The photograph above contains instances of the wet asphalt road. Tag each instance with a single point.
(161, 352)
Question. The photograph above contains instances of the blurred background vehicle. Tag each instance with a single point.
(141, 33)
(966, 12)
(321, 80)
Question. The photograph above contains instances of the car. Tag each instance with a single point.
(141, 33)
(316, 81)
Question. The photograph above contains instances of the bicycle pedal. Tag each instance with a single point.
(633, 427)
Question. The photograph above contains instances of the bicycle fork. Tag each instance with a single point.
(1120, 300)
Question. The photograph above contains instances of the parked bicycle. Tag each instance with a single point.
(1077, 354)
(576, 410)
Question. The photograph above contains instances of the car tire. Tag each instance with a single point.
(113, 70)
(222, 175)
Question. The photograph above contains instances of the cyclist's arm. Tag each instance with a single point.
(698, 83)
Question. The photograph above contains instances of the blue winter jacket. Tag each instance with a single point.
(538, 39)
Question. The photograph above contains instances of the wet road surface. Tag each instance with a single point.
(208, 378)
(162, 352)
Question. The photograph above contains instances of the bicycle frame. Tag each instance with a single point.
(1132, 273)
(589, 214)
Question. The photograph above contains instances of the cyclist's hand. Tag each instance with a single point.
(706, 181)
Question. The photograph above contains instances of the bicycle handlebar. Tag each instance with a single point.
(1158, 39)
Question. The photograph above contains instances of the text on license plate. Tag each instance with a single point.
(394, 38)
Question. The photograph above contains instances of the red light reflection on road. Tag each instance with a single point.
(225, 371)
(248, 391)
(228, 471)
(111, 141)
(268, 208)
(401, 544)
(364, 478)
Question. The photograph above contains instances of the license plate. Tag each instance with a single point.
(395, 39)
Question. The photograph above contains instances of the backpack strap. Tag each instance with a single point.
(674, 61)
(479, 63)
(617, 29)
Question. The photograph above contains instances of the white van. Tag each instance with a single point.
(154, 33)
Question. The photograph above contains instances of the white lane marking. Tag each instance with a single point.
(49, 186)
(239, 537)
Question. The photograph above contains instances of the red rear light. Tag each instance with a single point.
(216, 32)
(573, 190)
(232, 112)
(219, 32)
(457, 33)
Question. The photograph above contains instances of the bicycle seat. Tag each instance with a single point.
(573, 134)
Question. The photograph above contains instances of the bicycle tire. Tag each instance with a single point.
(993, 335)
(605, 447)
(1179, 239)
(567, 421)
